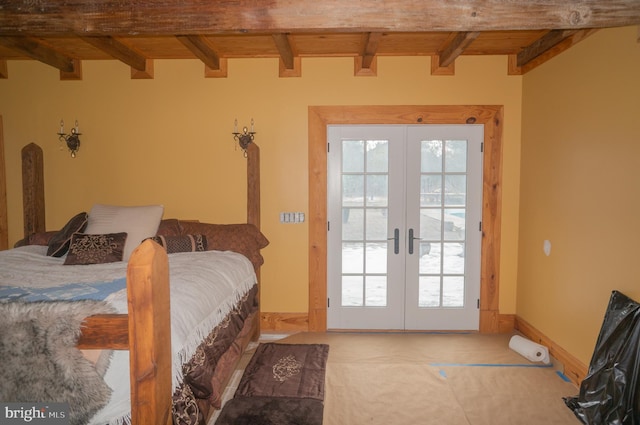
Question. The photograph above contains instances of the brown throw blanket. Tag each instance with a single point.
(283, 384)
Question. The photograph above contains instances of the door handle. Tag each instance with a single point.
(396, 240)
(411, 239)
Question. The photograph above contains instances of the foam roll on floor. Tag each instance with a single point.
(529, 349)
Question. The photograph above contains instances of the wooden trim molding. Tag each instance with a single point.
(574, 369)
(361, 71)
(490, 116)
(436, 69)
(298, 322)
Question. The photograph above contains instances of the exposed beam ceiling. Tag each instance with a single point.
(62, 34)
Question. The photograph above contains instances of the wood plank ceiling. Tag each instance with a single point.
(62, 34)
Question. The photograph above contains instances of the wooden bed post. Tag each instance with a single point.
(33, 189)
(253, 213)
(149, 335)
(253, 185)
(4, 223)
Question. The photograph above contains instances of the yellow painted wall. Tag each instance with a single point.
(580, 187)
(168, 140)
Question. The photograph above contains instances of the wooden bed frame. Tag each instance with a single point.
(146, 330)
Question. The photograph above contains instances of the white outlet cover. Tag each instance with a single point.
(546, 247)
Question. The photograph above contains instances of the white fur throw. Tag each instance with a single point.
(40, 362)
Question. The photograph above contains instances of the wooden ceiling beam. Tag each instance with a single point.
(448, 54)
(283, 44)
(199, 46)
(34, 49)
(542, 45)
(290, 63)
(531, 60)
(117, 49)
(214, 65)
(120, 18)
(370, 48)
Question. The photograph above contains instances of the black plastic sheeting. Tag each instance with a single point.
(610, 393)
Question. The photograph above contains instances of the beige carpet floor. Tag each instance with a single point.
(429, 378)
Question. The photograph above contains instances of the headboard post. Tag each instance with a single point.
(4, 222)
(253, 185)
(253, 210)
(33, 189)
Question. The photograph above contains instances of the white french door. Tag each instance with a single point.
(404, 208)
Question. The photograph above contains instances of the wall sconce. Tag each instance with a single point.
(72, 139)
(243, 138)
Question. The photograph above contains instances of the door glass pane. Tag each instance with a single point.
(431, 224)
(377, 156)
(365, 202)
(352, 224)
(429, 291)
(376, 291)
(443, 198)
(455, 190)
(430, 258)
(377, 186)
(454, 224)
(431, 156)
(453, 258)
(453, 291)
(352, 291)
(376, 224)
(376, 258)
(352, 190)
(430, 190)
(455, 156)
(352, 257)
(352, 156)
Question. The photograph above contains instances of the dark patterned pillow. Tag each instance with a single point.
(95, 249)
(182, 243)
(245, 238)
(169, 227)
(59, 243)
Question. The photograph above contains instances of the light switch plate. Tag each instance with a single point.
(292, 217)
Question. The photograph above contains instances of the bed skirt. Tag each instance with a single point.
(210, 368)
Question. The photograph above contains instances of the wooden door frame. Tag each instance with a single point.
(488, 115)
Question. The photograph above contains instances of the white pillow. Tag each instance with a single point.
(139, 222)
